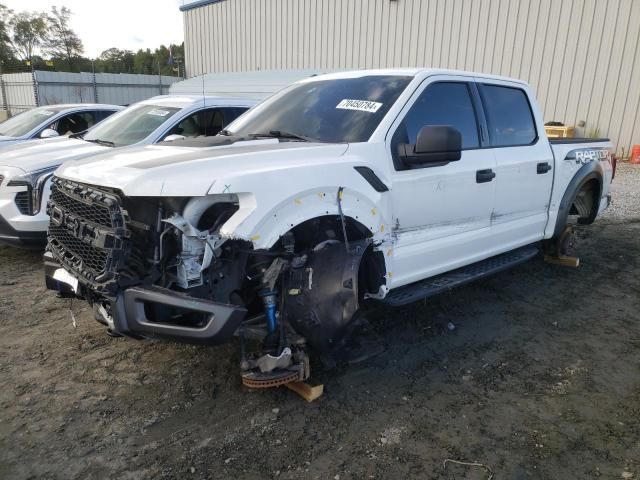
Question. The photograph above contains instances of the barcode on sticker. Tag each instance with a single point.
(362, 105)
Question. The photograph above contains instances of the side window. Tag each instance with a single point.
(189, 126)
(100, 115)
(206, 122)
(509, 116)
(215, 119)
(442, 103)
(74, 123)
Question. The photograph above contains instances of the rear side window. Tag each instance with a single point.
(509, 116)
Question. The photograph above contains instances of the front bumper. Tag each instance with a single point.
(18, 238)
(130, 312)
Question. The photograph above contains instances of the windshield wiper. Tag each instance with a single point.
(77, 134)
(225, 133)
(283, 134)
(106, 143)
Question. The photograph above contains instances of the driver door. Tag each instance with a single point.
(442, 213)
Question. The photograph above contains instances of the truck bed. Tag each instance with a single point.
(562, 141)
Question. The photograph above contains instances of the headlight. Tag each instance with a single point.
(35, 182)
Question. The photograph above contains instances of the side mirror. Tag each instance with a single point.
(49, 133)
(434, 144)
(173, 137)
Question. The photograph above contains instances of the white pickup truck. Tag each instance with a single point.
(381, 185)
(26, 169)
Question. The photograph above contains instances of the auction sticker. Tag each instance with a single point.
(159, 113)
(362, 105)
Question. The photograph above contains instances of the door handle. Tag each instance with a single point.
(484, 176)
(543, 168)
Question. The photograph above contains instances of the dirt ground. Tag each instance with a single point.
(540, 378)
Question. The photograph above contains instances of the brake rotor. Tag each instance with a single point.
(256, 379)
(567, 242)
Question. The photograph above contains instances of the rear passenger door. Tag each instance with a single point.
(442, 213)
(524, 164)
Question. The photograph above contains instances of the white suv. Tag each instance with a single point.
(26, 169)
(53, 121)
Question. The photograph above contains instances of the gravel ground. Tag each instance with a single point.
(539, 379)
(626, 193)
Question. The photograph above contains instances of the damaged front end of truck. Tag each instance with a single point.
(159, 267)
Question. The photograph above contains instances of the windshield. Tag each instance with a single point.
(337, 111)
(24, 122)
(131, 125)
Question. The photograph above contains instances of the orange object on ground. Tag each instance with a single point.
(635, 154)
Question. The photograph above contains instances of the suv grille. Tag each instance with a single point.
(87, 232)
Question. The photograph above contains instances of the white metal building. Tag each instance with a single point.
(581, 56)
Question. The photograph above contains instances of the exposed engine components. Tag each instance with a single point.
(198, 250)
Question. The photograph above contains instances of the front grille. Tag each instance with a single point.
(87, 233)
(23, 202)
(79, 253)
(96, 213)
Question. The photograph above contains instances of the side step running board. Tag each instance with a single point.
(441, 283)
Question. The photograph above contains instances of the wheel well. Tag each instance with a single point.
(311, 232)
(308, 234)
(586, 201)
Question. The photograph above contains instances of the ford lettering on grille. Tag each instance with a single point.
(87, 231)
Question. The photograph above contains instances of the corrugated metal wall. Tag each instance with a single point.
(581, 56)
(62, 87)
(17, 93)
(113, 88)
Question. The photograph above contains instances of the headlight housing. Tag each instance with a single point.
(35, 182)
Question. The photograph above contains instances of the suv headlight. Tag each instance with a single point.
(35, 182)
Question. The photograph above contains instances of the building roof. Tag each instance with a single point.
(191, 4)
(257, 84)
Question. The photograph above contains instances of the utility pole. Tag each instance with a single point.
(95, 84)
(3, 92)
(35, 84)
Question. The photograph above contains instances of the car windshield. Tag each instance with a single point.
(24, 122)
(337, 111)
(131, 125)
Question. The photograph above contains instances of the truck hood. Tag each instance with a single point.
(39, 154)
(157, 170)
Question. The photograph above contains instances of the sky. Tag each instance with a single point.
(125, 24)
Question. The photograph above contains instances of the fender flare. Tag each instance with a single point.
(589, 171)
(312, 204)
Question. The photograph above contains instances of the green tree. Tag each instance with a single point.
(115, 60)
(144, 62)
(6, 51)
(29, 31)
(61, 41)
